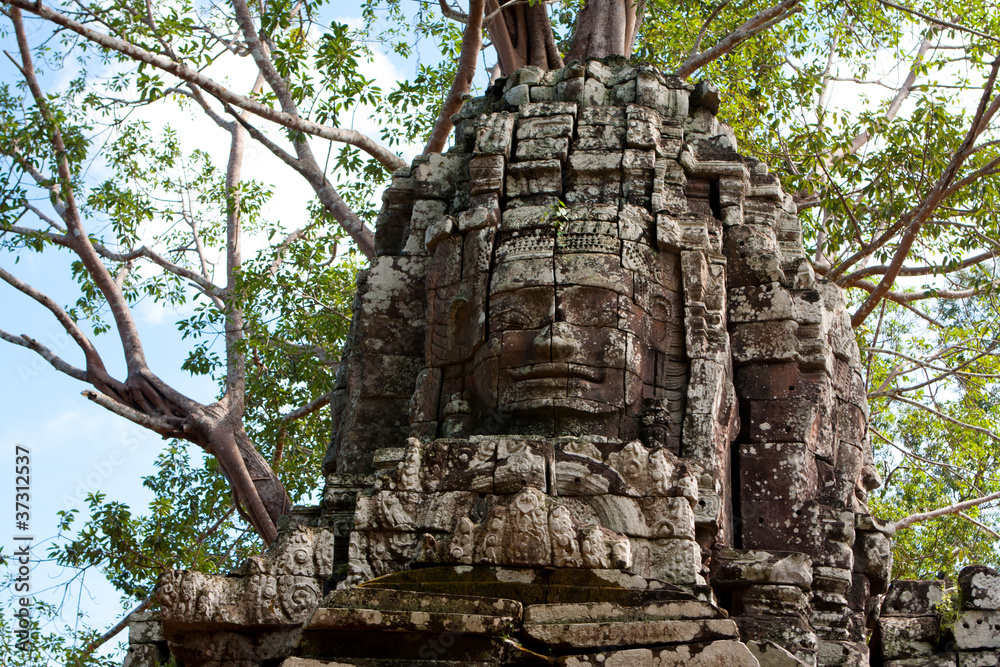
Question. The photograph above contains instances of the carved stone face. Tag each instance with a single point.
(575, 342)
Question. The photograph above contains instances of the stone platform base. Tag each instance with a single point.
(493, 616)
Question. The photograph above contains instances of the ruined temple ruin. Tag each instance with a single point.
(595, 410)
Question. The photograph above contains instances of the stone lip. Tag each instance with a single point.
(733, 568)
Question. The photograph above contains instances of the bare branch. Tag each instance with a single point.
(283, 248)
(55, 195)
(207, 286)
(387, 158)
(904, 91)
(951, 420)
(908, 521)
(925, 363)
(168, 427)
(307, 164)
(903, 298)
(760, 22)
(943, 374)
(110, 634)
(135, 358)
(918, 457)
(979, 525)
(472, 41)
(848, 280)
(89, 351)
(327, 194)
(44, 218)
(308, 408)
(940, 22)
(450, 12)
(235, 394)
(45, 353)
(988, 169)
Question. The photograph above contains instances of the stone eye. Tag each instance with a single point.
(514, 319)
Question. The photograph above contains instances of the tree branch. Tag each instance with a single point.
(55, 195)
(207, 286)
(704, 28)
(989, 169)
(472, 41)
(904, 91)
(135, 358)
(110, 634)
(451, 13)
(979, 525)
(44, 218)
(168, 427)
(940, 22)
(849, 279)
(943, 374)
(761, 21)
(235, 395)
(94, 362)
(951, 420)
(383, 155)
(908, 521)
(308, 408)
(325, 192)
(45, 353)
(904, 298)
(279, 254)
(310, 168)
(918, 217)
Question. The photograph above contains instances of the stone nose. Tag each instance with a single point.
(553, 343)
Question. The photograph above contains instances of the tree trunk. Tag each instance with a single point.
(260, 495)
(218, 429)
(522, 35)
(606, 28)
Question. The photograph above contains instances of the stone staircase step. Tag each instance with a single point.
(609, 611)
(533, 585)
(413, 621)
(368, 597)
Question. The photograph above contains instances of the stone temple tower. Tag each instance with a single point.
(595, 409)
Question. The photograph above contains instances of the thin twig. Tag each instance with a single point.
(110, 634)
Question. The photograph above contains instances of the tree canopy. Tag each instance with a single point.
(880, 117)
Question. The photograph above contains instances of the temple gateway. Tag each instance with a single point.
(595, 409)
